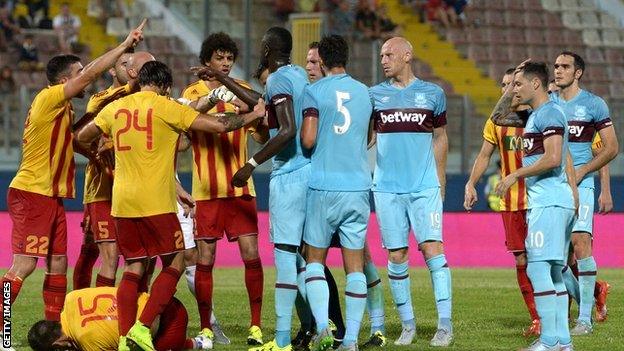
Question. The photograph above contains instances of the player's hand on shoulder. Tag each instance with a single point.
(135, 36)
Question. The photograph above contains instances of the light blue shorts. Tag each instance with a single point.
(344, 212)
(287, 206)
(549, 230)
(585, 220)
(395, 213)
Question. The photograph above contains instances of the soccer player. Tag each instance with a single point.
(97, 223)
(337, 112)
(408, 187)
(374, 299)
(586, 114)
(551, 190)
(89, 323)
(513, 205)
(145, 127)
(46, 175)
(220, 207)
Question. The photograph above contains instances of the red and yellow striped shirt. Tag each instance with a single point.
(99, 186)
(47, 166)
(509, 143)
(216, 157)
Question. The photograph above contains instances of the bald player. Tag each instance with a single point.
(410, 114)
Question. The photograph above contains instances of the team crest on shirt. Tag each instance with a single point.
(580, 111)
(420, 100)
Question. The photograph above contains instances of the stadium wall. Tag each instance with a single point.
(453, 203)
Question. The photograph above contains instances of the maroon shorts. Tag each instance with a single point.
(98, 220)
(515, 230)
(149, 236)
(234, 216)
(39, 225)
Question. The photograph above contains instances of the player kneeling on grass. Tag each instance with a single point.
(89, 322)
(145, 127)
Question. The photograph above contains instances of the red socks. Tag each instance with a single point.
(527, 290)
(103, 281)
(163, 289)
(147, 276)
(54, 289)
(16, 285)
(82, 271)
(203, 293)
(254, 281)
(127, 297)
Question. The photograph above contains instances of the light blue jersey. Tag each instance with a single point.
(550, 188)
(288, 82)
(404, 121)
(343, 108)
(586, 114)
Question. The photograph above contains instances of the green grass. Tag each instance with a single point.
(488, 311)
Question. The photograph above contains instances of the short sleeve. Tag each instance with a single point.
(178, 116)
(310, 106)
(104, 118)
(551, 124)
(55, 95)
(601, 114)
(277, 87)
(489, 132)
(439, 113)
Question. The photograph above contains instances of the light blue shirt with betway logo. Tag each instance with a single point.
(586, 114)
(550, 188)
(404, 121)
(287, 82)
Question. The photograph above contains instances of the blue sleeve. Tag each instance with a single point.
(278, 85)
(439, 113)
(601, 114)
(310, 106)
(551, 122)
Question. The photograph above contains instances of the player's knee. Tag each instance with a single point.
(248, 249)
(287, 248)
(23, 266)
(398, 256)
(521, 259)
(109, 253)
(57, 264)
(190, 257)
(431, 249)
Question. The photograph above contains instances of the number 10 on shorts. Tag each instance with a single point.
(535, 240)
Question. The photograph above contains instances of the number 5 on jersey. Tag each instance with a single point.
(341, 97)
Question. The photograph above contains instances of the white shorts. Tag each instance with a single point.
(188, 228)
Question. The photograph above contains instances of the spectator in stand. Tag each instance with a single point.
(341, 19)
(387, 28)
(448, 12)
(67, 27)
(29, 56)
(283, 8)
(36, 18)
(8, 28)
(7, 81)
(419, 7)
(366, 20)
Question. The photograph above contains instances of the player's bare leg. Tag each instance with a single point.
(21, 268)
(398, 276)
(254, 281)
(527, 293)
(109, 255)
(433, 252)
(582, 243)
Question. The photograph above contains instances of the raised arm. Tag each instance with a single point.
(248, 96)
(479, 167)
(95, 68)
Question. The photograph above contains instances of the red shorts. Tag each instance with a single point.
(98, 220)
(515, 230)
(39, 225)
(234, 216)
(149, 236)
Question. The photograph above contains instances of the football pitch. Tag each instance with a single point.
(488, 310)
